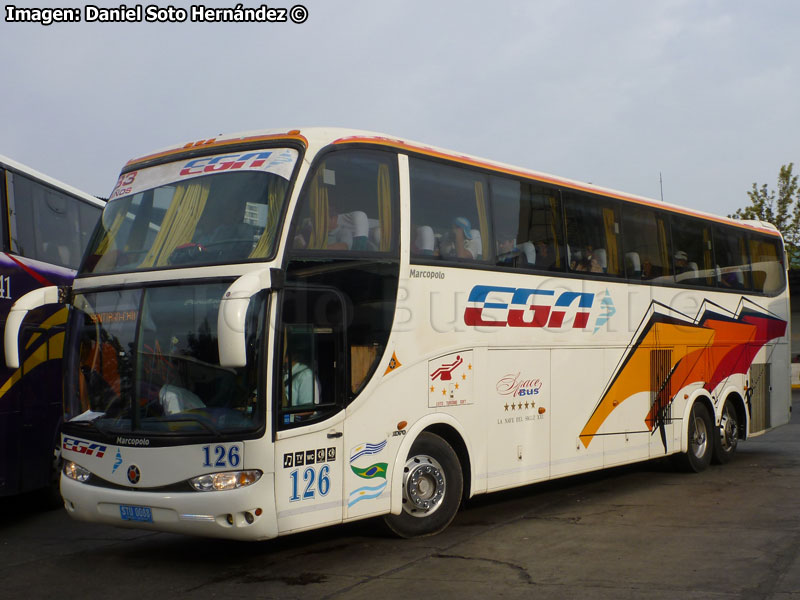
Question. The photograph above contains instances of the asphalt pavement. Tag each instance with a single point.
(641, 531)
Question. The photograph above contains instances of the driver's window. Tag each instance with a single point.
(312, 370)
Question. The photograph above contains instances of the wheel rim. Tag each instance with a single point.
(423, 486)
(728, 430)
(699, 437)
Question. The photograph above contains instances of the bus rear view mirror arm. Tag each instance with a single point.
(233, 314)
(31, 300)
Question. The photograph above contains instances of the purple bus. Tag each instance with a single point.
(45, 227)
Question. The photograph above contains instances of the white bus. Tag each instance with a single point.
(277, 331)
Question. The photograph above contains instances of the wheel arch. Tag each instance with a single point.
(451, 431)
(702, 397)
(736, 400)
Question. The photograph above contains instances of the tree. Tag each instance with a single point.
(782, 209)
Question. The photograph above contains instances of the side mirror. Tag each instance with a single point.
(233, 314)
(33, 299)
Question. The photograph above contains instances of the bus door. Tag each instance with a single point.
(40, 403)
(309, 408)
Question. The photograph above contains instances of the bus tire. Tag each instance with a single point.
(726, 436)
(50, 496)
(432, 488)
(701, 444)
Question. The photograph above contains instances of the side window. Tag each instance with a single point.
(3, 211)
(45, 223)
(311, 348)
(527, 225)
(449, 213)
(732, 262)
(647, 254)
(349, 204)
(693, 251)
(593, 240)
(88, 216)
(766, 258)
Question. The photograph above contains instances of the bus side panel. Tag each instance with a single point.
(573, 400)
(781, 394)
(10, 428)
(625, 433)
(519, 417)
(41, 404)
(30, 406)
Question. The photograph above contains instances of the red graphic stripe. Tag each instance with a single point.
(41, 279)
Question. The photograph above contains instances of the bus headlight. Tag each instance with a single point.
(229, 480)
(75, 471)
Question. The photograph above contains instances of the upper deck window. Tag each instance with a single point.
(766, 259)
(648, 254)
(527, 225)
(693, 251)
(215, 209)
(449, 213)
(593, 235)
(347, 205)
(47, 224)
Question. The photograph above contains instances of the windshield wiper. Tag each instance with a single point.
(91, 423)
(202, 422)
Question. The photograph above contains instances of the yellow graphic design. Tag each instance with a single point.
(59, 318)
(50, 349)
(672, 353)
(53, 349)
(680, 338)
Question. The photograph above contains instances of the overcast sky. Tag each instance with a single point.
(705, 92)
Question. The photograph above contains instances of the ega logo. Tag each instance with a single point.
(492, 306)
(225, 162)
(84, 447)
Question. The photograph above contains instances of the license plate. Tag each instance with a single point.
(143, 514)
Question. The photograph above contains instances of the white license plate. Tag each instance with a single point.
(143, 514)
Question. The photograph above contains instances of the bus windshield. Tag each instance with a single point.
(146, 361)
(215, 209)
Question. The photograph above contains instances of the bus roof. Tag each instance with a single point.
(46, 179)
(316, 138)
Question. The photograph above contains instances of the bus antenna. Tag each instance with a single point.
(661, 185)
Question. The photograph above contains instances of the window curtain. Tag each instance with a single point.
(663, 247)
(276, 192)
(185, 210)
(761, 252)
(744, 261)
(554, 212)
(480, 201)
(318, 201)
(610, 220)
(112, 231)
(708, 260)
(385, 207)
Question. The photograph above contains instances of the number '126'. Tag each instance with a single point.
(220, 456)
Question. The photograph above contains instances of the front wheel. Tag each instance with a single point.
(432, 488)
(701, 444)
(726, 437)
(50, 496)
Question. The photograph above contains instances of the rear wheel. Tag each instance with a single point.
(432, 488)
(726, 437)
(701, 444)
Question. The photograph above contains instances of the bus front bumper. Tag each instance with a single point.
(242, 514)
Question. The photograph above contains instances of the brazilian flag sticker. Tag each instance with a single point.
(371, 472)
